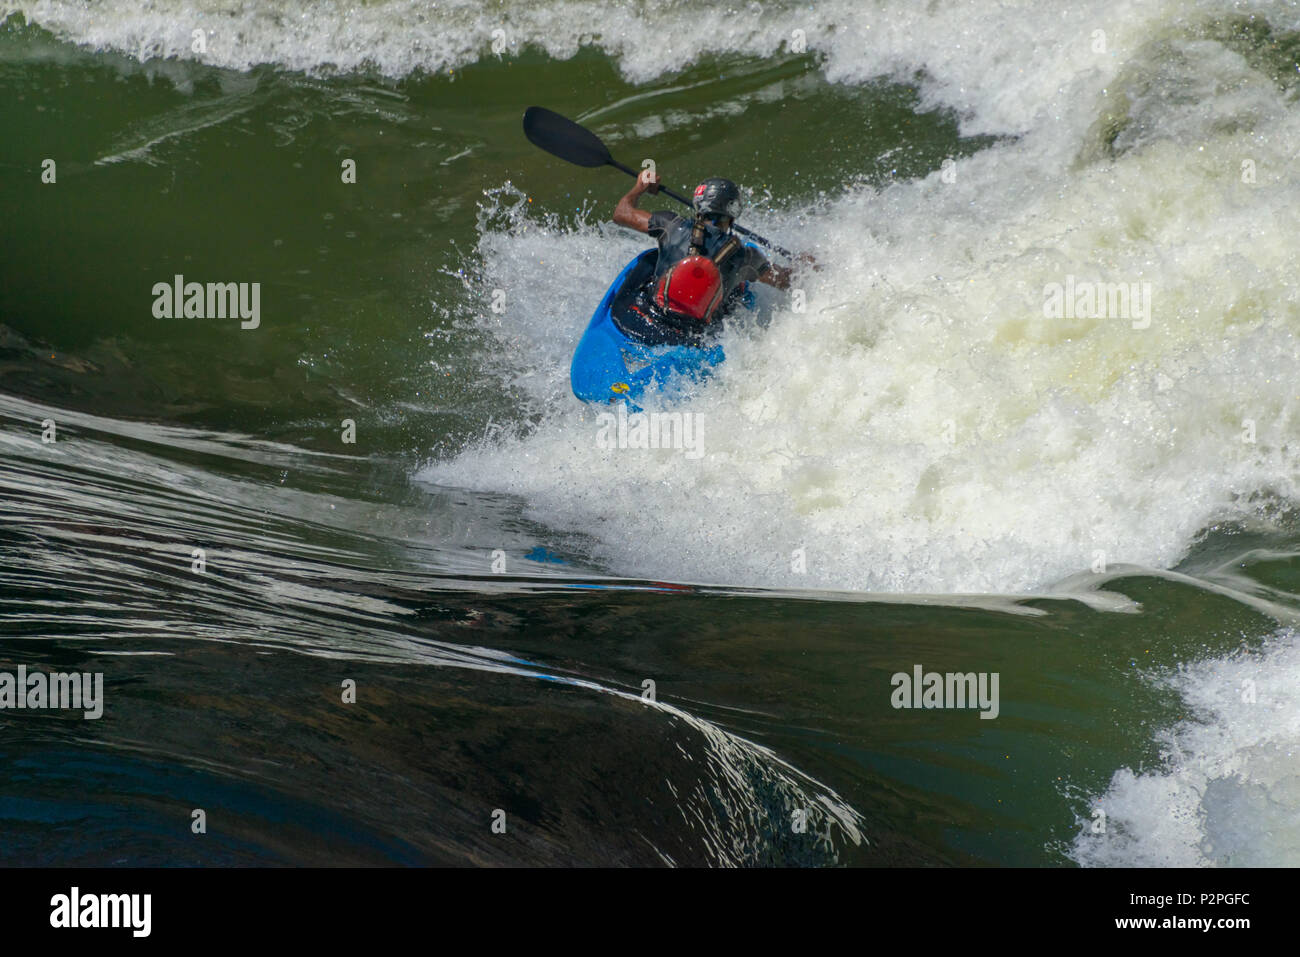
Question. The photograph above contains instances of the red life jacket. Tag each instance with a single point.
(692, 288)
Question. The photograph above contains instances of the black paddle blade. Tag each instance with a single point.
(564, 138)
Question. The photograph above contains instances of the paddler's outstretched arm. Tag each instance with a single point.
(626, 213)
(780, 276)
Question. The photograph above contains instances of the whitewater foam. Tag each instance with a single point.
(1228, 786)
(1003, 66)
(923, 427)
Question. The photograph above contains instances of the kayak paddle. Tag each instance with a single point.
(562, 137)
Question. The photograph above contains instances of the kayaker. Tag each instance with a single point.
(702, 268)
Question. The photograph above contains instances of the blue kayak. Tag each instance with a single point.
(610, 367)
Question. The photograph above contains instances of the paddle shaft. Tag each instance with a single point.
(576, 144)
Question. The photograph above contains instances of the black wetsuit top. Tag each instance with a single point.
(643, 320)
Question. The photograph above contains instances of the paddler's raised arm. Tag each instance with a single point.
(626, 213)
